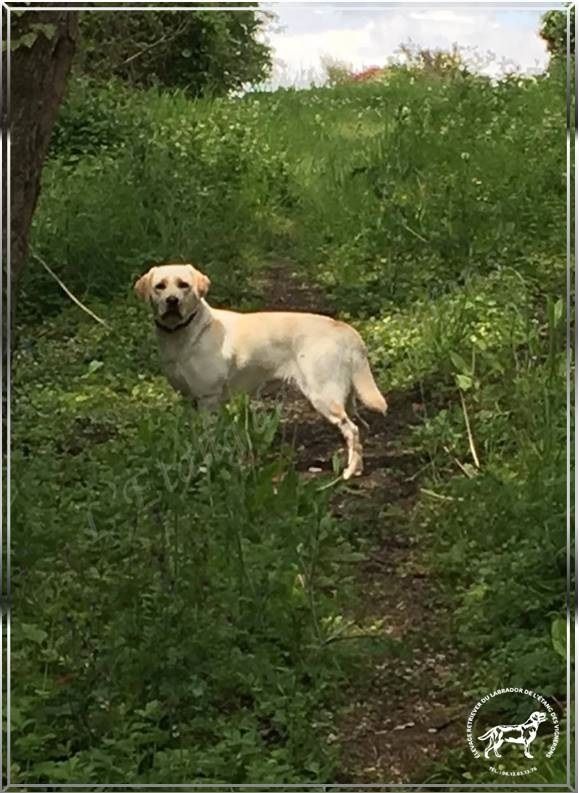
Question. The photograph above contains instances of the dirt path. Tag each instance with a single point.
(407, 710)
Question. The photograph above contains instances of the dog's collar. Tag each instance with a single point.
(180, 326)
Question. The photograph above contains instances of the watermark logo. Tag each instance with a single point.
(487, 743)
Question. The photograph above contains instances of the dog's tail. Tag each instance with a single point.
(487, 734)
(366, 388)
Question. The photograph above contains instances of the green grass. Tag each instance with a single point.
(175, 579)
(177, 585)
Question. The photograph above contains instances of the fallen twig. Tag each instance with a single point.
(462, 467)
(67, 291)
(415, 233)
(432, 494)
(468, 431)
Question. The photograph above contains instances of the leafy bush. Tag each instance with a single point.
(200, 52)
(160, 178)
(94, 119)
(554, 32)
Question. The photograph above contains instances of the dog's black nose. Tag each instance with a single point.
(172, 300)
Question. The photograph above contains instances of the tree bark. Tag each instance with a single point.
(42, 47)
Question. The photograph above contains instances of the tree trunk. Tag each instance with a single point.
(42, 48)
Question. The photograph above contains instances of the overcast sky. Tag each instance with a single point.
(366, 36)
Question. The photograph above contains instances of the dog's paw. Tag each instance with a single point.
(348, 474)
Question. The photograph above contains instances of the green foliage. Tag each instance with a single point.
(158, 177)
(493, 353)
(447, 176)
(26, 30)
(175, 578)
(462, 338)
(95, 118)
(200, 52)
(497, 521)
(554, 31)
(431, 211)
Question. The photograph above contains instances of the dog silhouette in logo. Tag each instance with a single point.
(523, 734)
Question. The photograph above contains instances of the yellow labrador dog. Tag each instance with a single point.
(209, 354)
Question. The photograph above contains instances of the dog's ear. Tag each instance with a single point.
(143, 285)
(202, 282)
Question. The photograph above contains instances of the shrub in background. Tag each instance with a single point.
(201, 52)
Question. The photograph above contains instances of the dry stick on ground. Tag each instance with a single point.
(439, 496)
(415, 233)
(462, 467)
(68, 292)
(468, 431)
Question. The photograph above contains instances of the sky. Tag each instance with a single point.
(368, 36)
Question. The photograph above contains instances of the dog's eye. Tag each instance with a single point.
(183, 285)
(160, 286)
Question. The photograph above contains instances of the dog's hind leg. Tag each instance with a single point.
(336, 414)
(325, 384)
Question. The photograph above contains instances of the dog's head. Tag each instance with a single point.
(174, 292)
(538, 716)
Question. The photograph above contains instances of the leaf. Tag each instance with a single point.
(33, 634)
(94, 366)
(27, 40)
(464, 382)
(458, 362)
(48, 30)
